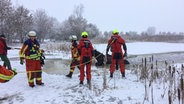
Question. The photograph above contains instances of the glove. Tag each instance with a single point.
(42, 51)
(125, 54)
(8, 48)
(42, 62)
(74, 60)
(21, 61)
(106, 56)
(106, 53)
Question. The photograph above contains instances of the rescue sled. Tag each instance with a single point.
(5, 74)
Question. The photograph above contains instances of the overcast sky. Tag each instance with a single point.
(124, 15)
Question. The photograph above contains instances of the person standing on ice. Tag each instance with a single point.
(31, 52)
(75, 56)
(86, 52)
(115, 43)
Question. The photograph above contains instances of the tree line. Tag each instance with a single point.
(17, 21)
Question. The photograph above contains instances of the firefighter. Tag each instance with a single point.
(115, 43)
(3, 52)
(85, 50)
(31, 52)
(75, 55)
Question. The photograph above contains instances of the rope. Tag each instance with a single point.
(78, 64)
(93, 56)
(30, 71)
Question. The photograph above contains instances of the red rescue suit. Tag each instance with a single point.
(115, 43)
(31, 52)
(85, 50)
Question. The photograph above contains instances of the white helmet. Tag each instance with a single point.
(73, 37)
(32, 33)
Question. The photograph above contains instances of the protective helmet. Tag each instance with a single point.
(32, 33)
(73, 37)
(84, 34)
(115, 32)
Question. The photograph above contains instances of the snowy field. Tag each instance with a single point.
(61, 90)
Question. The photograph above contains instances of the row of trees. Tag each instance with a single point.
(16, 22)
(133, 36)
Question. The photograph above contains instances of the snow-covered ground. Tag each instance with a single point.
(61, 90)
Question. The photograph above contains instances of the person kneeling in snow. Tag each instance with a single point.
(75, 56)
(31, 52)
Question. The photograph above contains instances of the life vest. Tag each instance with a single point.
(74, 51)
(116, 42)
(33, 49)
(5, 74)
(85, 47)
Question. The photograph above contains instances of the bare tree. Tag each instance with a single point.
(92, 30)
(5, 11)
(151, 31)
(55, 29)
(22, 21)
(76, 21)
(42, 24)
(76, 24)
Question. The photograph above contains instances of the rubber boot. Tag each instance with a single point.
(89, 82)
(123, 74)
(81, 83)
(111, 75)
(69, 75)
(40, 84)
(32, 86)
(78, 67)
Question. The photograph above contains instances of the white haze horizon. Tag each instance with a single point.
(124, 15)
